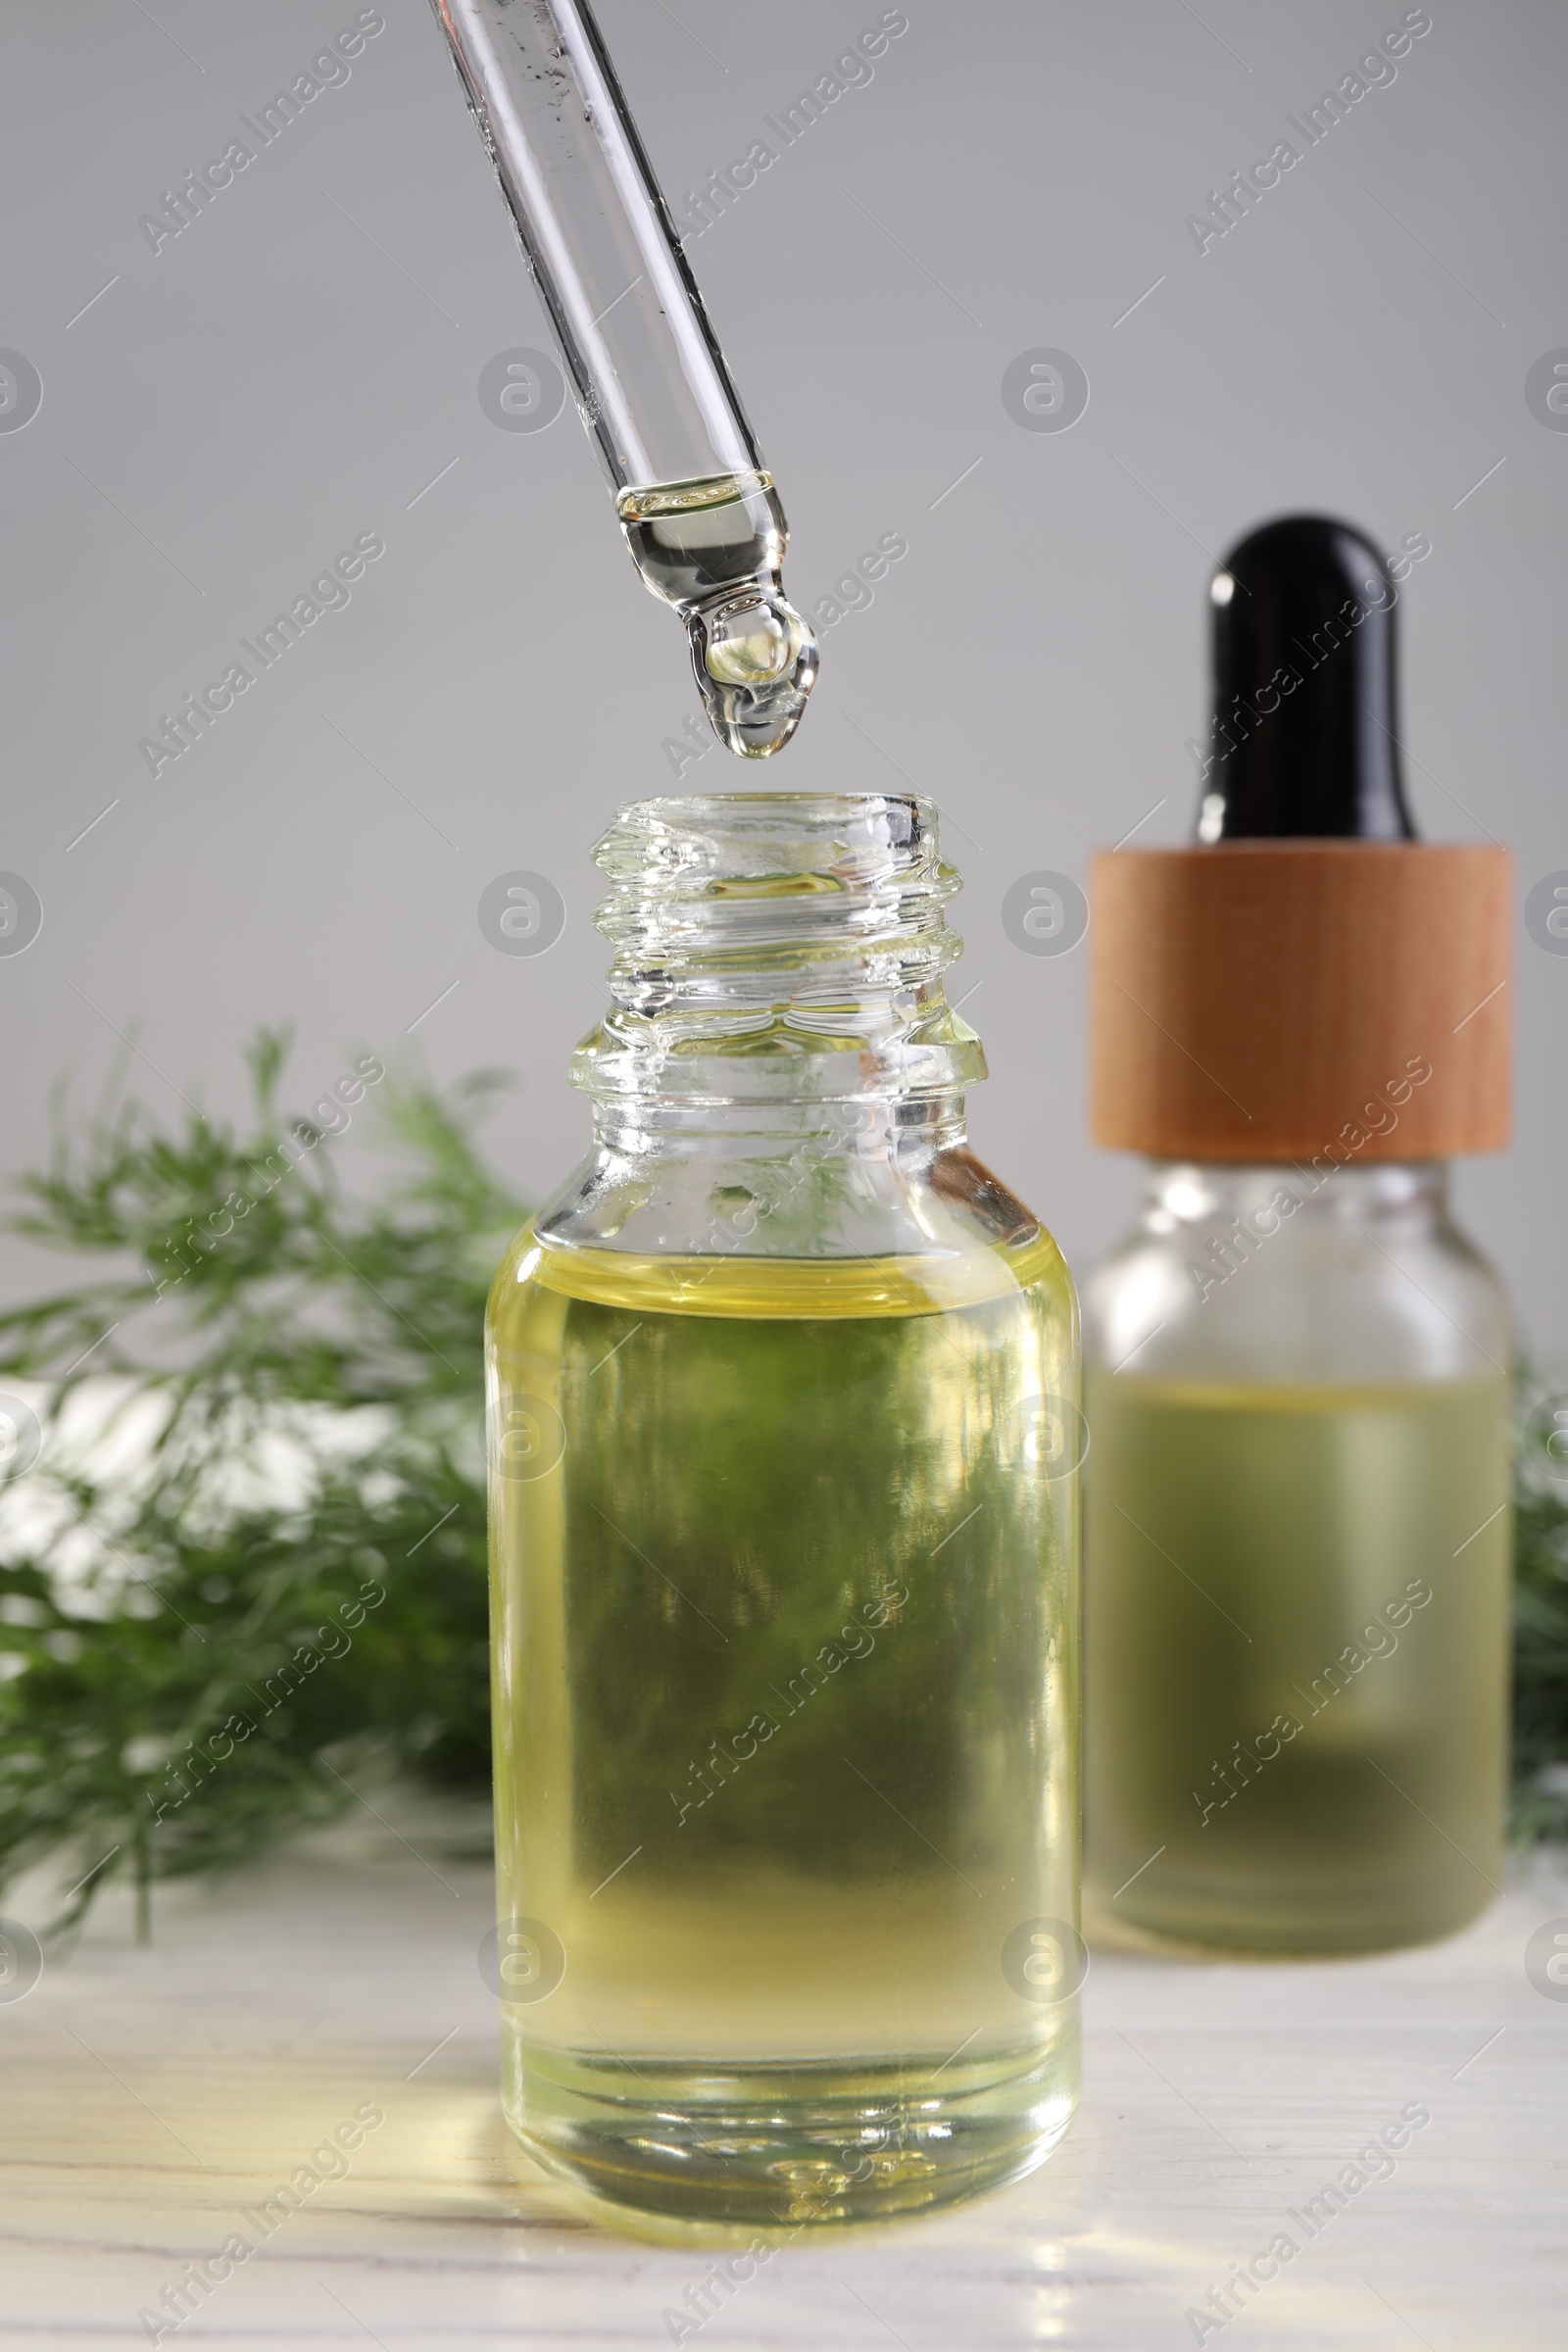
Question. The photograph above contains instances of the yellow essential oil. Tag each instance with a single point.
(1296, 1658)
(786, 1724)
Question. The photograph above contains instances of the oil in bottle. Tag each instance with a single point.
(1300, 1597)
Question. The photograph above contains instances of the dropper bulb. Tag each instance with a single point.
(1305, 720)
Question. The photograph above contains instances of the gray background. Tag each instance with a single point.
(300, 364)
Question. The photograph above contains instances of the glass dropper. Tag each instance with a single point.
(698, 510)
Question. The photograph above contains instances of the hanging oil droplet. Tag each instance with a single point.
(714, 550)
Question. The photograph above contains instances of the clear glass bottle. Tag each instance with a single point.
(1297, 1570)
(783, 1400)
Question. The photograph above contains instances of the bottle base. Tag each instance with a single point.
(1217, 1932)
(788, 2146)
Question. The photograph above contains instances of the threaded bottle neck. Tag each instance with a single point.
(784, 948)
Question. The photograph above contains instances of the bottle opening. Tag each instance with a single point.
(771, 945)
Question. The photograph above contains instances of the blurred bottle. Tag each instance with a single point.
(1296, 1366)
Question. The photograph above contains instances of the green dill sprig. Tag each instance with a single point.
(1541, 1614)
(249, 1560)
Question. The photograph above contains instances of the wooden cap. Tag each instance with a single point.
(1285, 999)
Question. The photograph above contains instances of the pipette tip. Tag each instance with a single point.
(755, 660)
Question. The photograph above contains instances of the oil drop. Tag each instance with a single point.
(714, 550)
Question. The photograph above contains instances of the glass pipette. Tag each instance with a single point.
(698, 510)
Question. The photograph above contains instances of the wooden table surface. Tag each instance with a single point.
(150, 2096)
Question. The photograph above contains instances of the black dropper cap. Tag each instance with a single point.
(1304, 718)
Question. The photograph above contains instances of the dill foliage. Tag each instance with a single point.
(247, 1562)
(1540, 1616)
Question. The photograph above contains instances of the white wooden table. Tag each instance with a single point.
(151, 2096)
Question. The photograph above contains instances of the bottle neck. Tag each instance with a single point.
(778, 979)
(1283, 1275)
(1414, 1194)
(869, 1128)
